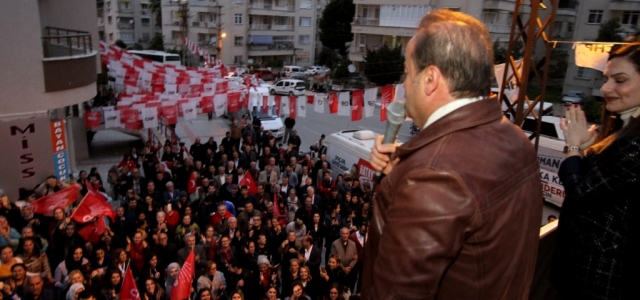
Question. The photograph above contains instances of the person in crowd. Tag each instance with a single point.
(173, 269)
(8, 235)
(112, 288)
(37, 290)
(18, 283)
(75, 261)
(431, 181)
(311, 286)
(7, 260)
(74, 291)
(334, 292)
(298, 292)
(152, 291)
(37, 263)
(212, 280)
(272, 294)
(204, 294)
(596, 231)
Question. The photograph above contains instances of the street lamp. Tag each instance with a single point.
(222, 36)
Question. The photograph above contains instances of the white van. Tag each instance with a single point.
(293, 71)
(349, 151)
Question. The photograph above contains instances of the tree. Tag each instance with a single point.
(610, 31)
(136, 46)
(155, 6)
(384, 66)
(157, 42)
(335, 25)
(341, 71)
(121, 44)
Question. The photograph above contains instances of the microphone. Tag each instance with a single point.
(395, 117)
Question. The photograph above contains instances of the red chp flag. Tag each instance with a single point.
(233, 102)
(310, 99)
(59, 199)
(265, 104)
(387, 97)
(92, 119)
(333, 103)
(292, 106)
(248, 180)
(206, 103)
(278, 101)
(130, 119)
(356, 105)
(129, 290)
(170, 114)
(93, 205)
(182, 286)
(91, 233)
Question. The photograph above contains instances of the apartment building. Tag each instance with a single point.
(130, 21)
(51, 62)
(591, 14)
(244, 31)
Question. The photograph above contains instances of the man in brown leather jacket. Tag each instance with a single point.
(459, 212)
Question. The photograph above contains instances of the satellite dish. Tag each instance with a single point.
(250, 61)
(131, 21)
(351, 68)
(213, 40)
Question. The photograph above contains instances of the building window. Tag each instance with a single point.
(109, 20)
(282, 3)
(583, 73)
(630, 17)
(145, 22)
(305, 4)
(281, 21)
(238, 41)
(108, 5)
(145, 6)
(110, 37)
(237, 59)
(305, 21)
(570, 26)
(370, 12)
(237, 1)
(146, 37)
(304, 39)
(490, 16)
(238, 19)
(595, 17)
(126, 36)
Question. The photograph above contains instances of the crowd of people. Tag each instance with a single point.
(298, 235)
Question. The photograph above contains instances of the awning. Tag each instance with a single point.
(261, 39)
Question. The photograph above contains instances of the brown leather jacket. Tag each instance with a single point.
(459, 216)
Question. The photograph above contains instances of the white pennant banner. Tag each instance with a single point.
(318, 106)
(370, 96)
(301, 104)
(344, 107)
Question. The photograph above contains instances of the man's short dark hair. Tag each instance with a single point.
(460, 47)
(86, 295)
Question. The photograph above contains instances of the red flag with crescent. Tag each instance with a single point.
(94, 204)
(59, 199)
(92, 232)
(192, 186)
(129, 290)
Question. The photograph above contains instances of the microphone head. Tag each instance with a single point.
(396, 112)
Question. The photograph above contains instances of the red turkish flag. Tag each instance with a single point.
(310, 99)
(94, 204)
(91, 233)
(59, 199)
(357, 98)
(292, 106)
(278, 100)
(233, 102)
(192, 185)
(129, 290)
(333, 103)
(387, 97)
(248, 180)
(265, 104)
(170, 114)
(130, 119)
(206, 103)
(182, 286)
(92, 119)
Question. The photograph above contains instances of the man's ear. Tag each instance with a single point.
(431, 79)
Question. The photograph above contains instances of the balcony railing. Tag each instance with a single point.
(283, 45)
(59, 42)
(260, 27)
(125, 26)
(366, 22)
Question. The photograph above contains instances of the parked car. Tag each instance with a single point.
(316, 70)
(265, 74)
(293, 71)
(289, 87)
(574, 97)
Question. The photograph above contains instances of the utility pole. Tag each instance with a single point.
(184, 12)
(219, 34)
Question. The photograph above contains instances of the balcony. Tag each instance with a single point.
(623, 5)
(125, 11)
(366, 22)
(125, 25)
(207, 25)
(71, 51)
(499, 28)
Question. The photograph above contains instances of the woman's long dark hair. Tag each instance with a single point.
(36, 248)
(110, 285)
(612, 129)
(72, 264)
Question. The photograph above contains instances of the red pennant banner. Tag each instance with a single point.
(357, 103)
(207, 104)
(310, 99)
(292, 106)
(179, 104)
(333, 103)
(92, 119)
(278, 100)
(265, 104)
(129, 117)
(170, 114)
(387, 97)
(233, 102)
